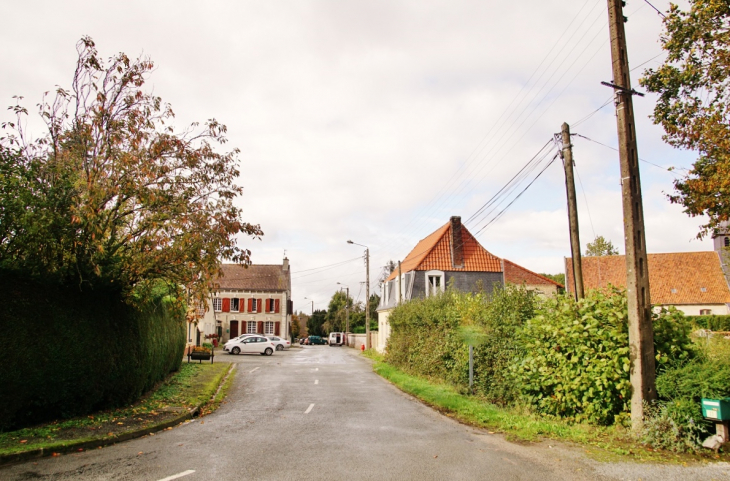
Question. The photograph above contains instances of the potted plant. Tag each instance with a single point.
(202, 353)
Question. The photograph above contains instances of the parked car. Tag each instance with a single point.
(281, 344)
(227, 346)
(304, 341)
(317, 340)
(251, 345)
(337, 338)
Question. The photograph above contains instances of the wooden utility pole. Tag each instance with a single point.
(641, 334)
(367, 298)
(400, 293)
(567, 154)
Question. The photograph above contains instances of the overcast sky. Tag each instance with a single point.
(378, 120)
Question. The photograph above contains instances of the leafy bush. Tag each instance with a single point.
(675, 426)
(576, 361)
(713, 323)
(430, 337)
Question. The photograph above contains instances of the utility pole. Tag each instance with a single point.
(641, 334)
(367, 298)
(347, 310)
(400, 293)
(567, 155)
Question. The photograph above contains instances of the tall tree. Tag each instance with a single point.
(114, 193)
(315, 323)
(601, 247)
(693, 84)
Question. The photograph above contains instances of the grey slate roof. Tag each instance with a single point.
(256, 277)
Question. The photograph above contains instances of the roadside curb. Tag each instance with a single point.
(72, 446)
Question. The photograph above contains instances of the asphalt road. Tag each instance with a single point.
(321, 413)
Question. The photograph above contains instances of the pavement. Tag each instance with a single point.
(319, 412)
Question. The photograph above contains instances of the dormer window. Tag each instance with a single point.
(703, 289)
(434, 282)
(673, 290)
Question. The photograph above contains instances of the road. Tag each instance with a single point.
(319, 412)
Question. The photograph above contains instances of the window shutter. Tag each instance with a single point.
(261, 327)
(267, 307)
(259, 306)
(277, 306)
(276, 328)
(226, 304)
(242, 304)
(249, 305)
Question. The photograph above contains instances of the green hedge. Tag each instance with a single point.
(67, 352)
(713, 323)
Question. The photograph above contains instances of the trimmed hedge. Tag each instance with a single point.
(67, 353)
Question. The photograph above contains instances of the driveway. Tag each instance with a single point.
(321, 413)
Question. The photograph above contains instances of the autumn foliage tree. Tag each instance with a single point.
(693, 85)
(112, 192)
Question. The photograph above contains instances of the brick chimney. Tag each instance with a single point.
(457, 244)
(285, 265)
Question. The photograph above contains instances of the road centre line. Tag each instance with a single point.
(316, 381)
(309, 409)
(252, 370)
(178, 475)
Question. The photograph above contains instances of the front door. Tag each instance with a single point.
(234, 329)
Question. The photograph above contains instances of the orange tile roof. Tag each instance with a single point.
(256, 277)
(515, 274)
(434, 253)
(674, 279)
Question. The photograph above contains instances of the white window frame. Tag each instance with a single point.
(705, 312)
(269, 328)
(217, 304)
(433, 290)
(251, 327)
(238, 301)
(255, 305)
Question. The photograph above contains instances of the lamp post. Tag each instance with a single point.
(347, 307)
(367, 292)
(306, 298)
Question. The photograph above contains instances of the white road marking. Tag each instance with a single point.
(316, 381)
(252, 370)
(316, 369)
(178, 475)
(309, 409)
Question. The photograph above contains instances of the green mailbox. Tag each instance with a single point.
(716, 409)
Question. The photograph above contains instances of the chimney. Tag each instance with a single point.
(285, 265)
(457, 244)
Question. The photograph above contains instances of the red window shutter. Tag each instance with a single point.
(277, 306)
(258, 306)
(226, 304)
(250, 303)
(276, 328)
(261, 327)
(266, 306)
(242, 304)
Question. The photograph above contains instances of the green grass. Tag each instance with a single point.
(193, 385)
(521, 425)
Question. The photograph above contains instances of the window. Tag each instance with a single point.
(268, 328)
(234, 304)
(251, 327)
(217, 304)
(727, 241)
(434, 282)
(255, 305)
(703, 289)
(705, 312)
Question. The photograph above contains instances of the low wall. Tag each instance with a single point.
(357, 340)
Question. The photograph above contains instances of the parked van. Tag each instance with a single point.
(337, 338)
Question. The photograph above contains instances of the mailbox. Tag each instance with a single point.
(716, 409)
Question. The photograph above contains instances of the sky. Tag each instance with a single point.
(376, 121)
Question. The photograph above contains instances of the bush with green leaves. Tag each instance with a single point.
(430, 337)
(576, 363)
(711, 322)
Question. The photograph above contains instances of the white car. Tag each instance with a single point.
(252, 345)
(281, 344)
(229, 344)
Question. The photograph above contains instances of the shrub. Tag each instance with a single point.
(676, 425)
(576, 361)
(69, 352)
(713, 323)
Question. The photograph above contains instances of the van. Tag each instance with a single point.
(337, 338)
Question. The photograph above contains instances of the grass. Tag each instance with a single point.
(193, 385)
(519, 424)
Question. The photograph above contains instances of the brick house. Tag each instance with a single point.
(451, 256)
(693, 282)
(253, 299)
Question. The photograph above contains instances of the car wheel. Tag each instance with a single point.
(236, 350)
(279, 347)
(268, 351)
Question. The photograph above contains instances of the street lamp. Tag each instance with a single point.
(367, 292)
(347, 307)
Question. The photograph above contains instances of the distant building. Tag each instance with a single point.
(451, 256)
(693, 282)
(253, 299)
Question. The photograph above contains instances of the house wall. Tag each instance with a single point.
(383, 330)
(546, 290)
(209, 321)
(462, 281)
(694, 309)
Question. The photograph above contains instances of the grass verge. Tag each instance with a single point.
(191, 387)
(607, 443)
